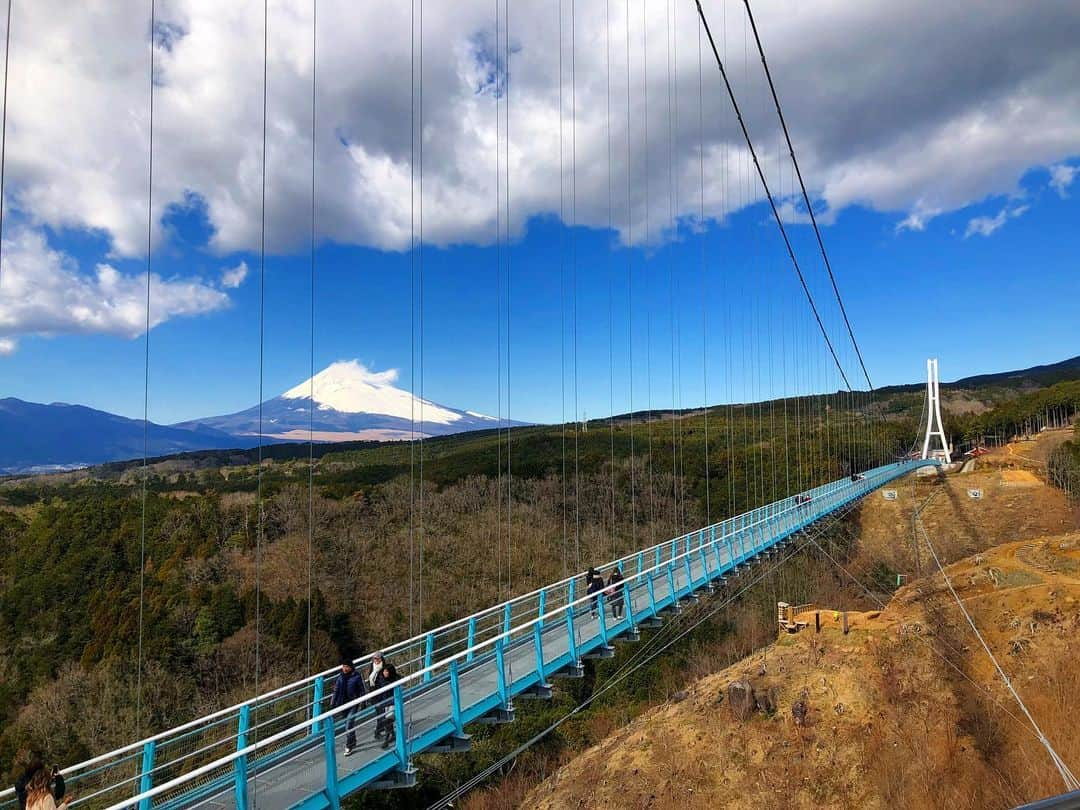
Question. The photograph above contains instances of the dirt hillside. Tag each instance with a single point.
(903, 710)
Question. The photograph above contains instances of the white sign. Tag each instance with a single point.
(975, 494)
(889, 494)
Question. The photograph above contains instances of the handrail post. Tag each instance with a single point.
(640, 564)
(429, 649)
(240, 787)
(470, 640)
(146, 778)
(538, 643)
(603, 618)
(402, 731)
(330, 761)
(317, 688)
(541, 609)
(671, 582)
(455, 698)
(507, 619)
(651, 587)
(500, 662)
(689, 574)
(571, 636)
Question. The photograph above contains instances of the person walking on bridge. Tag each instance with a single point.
(594, 584)
(386, 675)
(615, 594)
(349, 687)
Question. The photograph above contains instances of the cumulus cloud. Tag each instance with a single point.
(1061, 177)
(872, 126)
(44, 292)
(984, 226)
(233, 277)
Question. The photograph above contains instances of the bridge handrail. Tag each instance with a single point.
(385, 691)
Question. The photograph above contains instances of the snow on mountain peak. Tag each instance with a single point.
(348, 386)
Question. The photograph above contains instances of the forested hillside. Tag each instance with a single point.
(71, 545)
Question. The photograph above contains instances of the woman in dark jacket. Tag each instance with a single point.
(615, 594)
(594, 585)
(384, 677)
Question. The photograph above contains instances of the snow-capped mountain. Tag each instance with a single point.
(345, 402)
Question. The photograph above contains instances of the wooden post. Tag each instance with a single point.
(817, 622)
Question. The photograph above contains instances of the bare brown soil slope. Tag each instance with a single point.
(906, 709)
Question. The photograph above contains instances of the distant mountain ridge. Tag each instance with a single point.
(1033, 377)
(1036, 375)
(36, 437)
(344, 402)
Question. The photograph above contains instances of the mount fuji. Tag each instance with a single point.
(347, 402)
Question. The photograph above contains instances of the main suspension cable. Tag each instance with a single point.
(768, 194)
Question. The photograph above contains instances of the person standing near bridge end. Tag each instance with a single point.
(349, 687)
(34, 774)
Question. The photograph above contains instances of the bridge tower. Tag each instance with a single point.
(934, 425)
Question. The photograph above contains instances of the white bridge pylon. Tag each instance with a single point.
(934, 426)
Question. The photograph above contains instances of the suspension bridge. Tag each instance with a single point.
(285, 748)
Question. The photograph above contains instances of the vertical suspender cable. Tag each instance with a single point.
(704, 279)
(498, 313)
(509, 470)
(262, 350)
(630, 290)
(412, 317)
(645, 267)
(311, 363)
(420, 302)
(562, 293)
(673, 111)
(146, 342)
(574, 274)
(611, 273)
(3, 116)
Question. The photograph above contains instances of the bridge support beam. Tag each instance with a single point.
(538, 691)
(454, 744)
(570, 671)
(395, 780)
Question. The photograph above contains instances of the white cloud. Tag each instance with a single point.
(871, 125)
(1061, 177)
(917, 219)
(984, 226)
(233, 277)
(7, 347)
(43, 292)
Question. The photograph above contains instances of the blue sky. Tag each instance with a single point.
(980, 303)
(949, 211)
